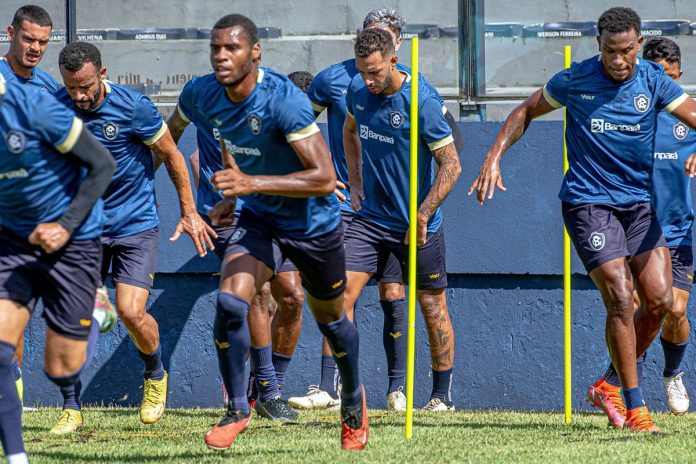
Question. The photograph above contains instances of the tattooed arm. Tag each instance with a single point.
(515, 125)
(448, 160)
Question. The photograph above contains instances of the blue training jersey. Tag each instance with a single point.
(258, 132)
(328, 92)
(126, 123)
(208, 140)
(671, 189)
(37, 180)
(39, 78)
(383, 124)
(611, 130)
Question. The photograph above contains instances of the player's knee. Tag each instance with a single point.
(677, 313)
(132, 315)
(391, 291)
(231, 308)
(661, 302)
(293, 299)
(431, 305)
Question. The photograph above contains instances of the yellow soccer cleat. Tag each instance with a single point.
(154, 400)
(70, 420)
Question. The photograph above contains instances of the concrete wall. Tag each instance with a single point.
(505, 296)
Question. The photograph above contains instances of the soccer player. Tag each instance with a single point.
(271, 349)
(52, 173)
(671, 200)
(376, 138)
(612, 102)
(278, 162)
(128, 124)
(328, 92)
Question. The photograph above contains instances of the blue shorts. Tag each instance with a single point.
(682, 267)
(133, 259)
(224, 234)
(320, 260)
(368, 247)
(602, 233)
(390, 270)
(66, 281)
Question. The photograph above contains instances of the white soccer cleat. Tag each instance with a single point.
(315, 398)
(437, 405)
(396, 401)
(677, 397)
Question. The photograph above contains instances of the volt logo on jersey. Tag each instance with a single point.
(641, 102)
(110, 130)
(396, 119)
(254, 124)
(680, 131)
(15, 141)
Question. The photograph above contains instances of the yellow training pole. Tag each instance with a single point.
(412, 238)
(567, 319)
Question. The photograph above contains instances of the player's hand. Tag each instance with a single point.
(50, 236)
(201, 233)
(231, 181)
(222, 214)
(340, 185)
(421, 233)
(488, 179)
(356, 197)
(690, 166)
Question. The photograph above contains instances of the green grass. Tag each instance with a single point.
(116, 436)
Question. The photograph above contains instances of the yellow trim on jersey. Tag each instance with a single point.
(107, 86)
(349, 113)
(552, 101)
(316, 107)
(676, 102)
(302, 133)
(2, 85)
(73, 134)
(259, 77)
(441, 143)
(182, 115)
(162, 130)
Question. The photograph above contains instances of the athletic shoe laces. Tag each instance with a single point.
(676, 389)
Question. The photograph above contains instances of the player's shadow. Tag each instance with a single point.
(119, 380)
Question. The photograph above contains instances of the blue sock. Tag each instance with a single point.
(71, 393)
(633, 398)
(394, 340)
(10, 407)
(15, 369)
(232, 343)
(71, 396)
(674, 353)
(280, 364)
(344, 341)
(640, 364)
(329, 376)
(261, 358)
(611, 376)
(153, 364)
(442, 383)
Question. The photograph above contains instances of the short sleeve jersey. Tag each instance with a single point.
(126, 123)
(328, 92)
(208, 140)
(383, 124)
(39, 78)
(671, 188)
(37, 181)
(611, 130)
(258, 132)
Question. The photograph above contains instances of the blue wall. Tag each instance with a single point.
(505, 297)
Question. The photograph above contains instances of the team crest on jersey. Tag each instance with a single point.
(15, 141)
(641, 103)
(237, 236)
(396, 119)
(110, 130)
(597, 241)
(680, 131)
(254, 124)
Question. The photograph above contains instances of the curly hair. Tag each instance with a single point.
(370, 41)
(74, 56)
(662, 48)
(618, 20)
